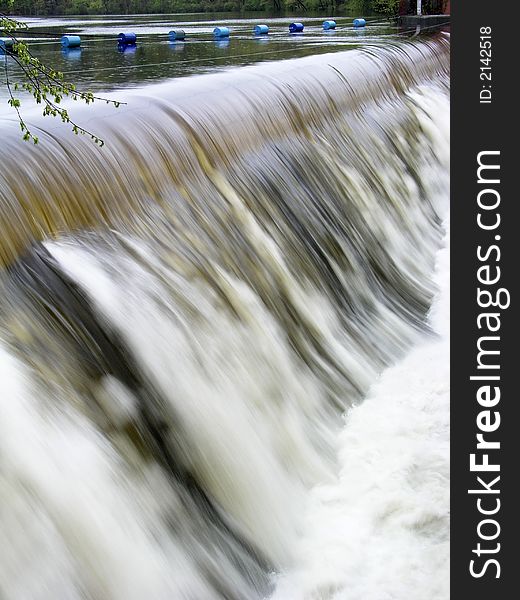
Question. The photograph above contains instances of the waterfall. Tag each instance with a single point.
(188, 313)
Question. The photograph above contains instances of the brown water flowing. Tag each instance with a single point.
(187, 311)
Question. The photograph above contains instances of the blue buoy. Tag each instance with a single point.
(70, 41)
(261, 29)
(126, 39)
(359, 22)
(329, 24)
(177, 34)
(296, 27)
(221, 32)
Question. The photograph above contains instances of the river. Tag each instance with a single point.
(100, 65)
(224, 349)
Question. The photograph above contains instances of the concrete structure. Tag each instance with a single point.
(424, 21)
(424, 13)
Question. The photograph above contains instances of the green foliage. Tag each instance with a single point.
(81, 7)
(360, 7)
(387, 7)
(45, 85)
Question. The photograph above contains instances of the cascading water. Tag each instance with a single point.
(187, 313)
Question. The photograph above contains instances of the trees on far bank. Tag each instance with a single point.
(78, 7)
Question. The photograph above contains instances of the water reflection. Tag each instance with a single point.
(178, 46)
(71, 53)
(127, 49)
(222, 43)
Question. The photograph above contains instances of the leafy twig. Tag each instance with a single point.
(46, 85)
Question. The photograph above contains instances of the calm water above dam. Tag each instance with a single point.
(98, 65)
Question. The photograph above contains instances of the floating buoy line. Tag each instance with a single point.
(128, 39)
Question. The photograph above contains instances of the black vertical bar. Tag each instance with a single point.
(484, 118)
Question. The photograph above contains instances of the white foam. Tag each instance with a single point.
(381, 530)
(71, 520)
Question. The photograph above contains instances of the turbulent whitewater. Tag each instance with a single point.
(191, 318)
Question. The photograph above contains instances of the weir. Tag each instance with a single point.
(187, 312)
